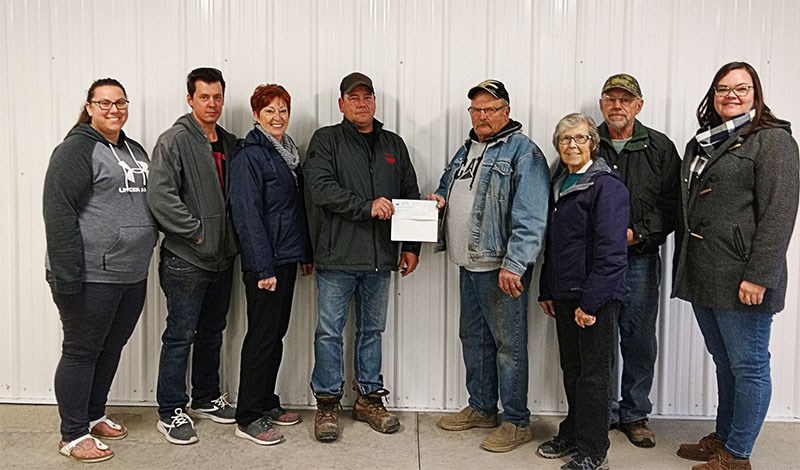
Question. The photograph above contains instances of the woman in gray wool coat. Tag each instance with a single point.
(739, 200)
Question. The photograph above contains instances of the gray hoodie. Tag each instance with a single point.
(185, 196)
(96, 220)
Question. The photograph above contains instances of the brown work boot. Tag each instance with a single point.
(722, 460)
(507, 437)
(638, 433)
(468, 418)
(369, 408)
(326, 421)
(701, 451)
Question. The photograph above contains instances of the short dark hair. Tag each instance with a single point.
(84, 117)
(707, 115)
(264, 94)
(204, 74)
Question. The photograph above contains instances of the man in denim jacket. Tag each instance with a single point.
(495, 189)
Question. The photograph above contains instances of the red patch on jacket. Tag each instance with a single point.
(389, 158)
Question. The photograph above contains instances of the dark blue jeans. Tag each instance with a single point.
(197, 307)
(586, 356)
(738, 340)
(637, 337)
(335, 289)
(494, 340)
(267, 322)
(97, 323)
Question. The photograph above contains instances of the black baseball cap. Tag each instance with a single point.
(493, 87)
(353, 80)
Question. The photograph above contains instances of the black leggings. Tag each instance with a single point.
(97, 323)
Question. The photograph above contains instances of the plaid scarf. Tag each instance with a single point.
(710, 139)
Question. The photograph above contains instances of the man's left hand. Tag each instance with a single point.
(510, 283)
(408, 263)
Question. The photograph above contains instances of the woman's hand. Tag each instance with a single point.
(583, 319)
(306, 269)
(547, 306)
(751, 294)
(268, 283)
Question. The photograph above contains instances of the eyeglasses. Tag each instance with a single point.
(106, 105)
(487, 111)
(579, 139)
(740, 90)
(624, 101)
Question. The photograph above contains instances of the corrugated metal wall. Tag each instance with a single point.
(423, 55)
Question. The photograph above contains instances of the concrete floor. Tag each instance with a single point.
(29, 438)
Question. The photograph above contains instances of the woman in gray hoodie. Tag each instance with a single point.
(100, 237)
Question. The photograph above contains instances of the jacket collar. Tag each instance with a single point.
(584, 181)
(639, 140)
(511, 127)
(377, 126)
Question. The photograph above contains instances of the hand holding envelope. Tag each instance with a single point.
(415, 220)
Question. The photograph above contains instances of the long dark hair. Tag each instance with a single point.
(84, 117)
(707, 116)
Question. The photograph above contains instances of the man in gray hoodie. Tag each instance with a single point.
(187, 194)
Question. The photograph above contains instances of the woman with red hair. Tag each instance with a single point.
(266, 197)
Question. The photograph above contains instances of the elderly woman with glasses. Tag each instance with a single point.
(269, 215)
(739, 199)
(100, 236)
(581, 286)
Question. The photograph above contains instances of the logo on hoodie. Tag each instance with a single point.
(130, 177)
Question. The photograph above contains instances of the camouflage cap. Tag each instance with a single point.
(625, 82)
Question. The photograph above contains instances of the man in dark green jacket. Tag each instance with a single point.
(649, 165)
(353, 171)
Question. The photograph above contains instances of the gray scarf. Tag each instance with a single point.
(287, 149)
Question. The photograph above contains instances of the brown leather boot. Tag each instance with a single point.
(326, 421)
(722, 460)
(370, 409)
(701, 451)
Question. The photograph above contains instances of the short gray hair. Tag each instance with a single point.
(574, 120)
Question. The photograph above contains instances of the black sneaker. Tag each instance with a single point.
(219, 410)
(556, 447)
(259, 431)
(178, 428)
(282, 417)
(586, 463)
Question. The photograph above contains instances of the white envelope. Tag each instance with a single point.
(414, 220)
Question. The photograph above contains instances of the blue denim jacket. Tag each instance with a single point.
(510, 212)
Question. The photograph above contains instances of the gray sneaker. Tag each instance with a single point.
(219, 410)
(178, 428)
(259, 431)
(586, 463)
(556, 447)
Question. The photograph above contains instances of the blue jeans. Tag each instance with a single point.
(494, 340)
(637, 337)
(738, 340)
(97, 323)
(197, 307)
(335, 289)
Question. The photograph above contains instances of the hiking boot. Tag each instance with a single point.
(723, 460)
(507, 437)
(178, 428)
(218, 410)
(701, 451)
(638, 433)
(556, 447)
(586, 463)
(282, 417)
(370, 409)
(259, 431)
(326, 421)
(468, 418)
